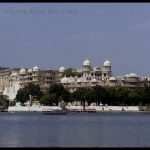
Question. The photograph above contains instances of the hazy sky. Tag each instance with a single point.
(97, 31)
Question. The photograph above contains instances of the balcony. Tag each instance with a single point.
(35, 80)
(35, 75)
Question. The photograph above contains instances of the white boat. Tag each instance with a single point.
(50, 110)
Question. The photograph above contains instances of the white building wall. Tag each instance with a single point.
(12, 89)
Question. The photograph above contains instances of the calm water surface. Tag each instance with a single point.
(103, 129)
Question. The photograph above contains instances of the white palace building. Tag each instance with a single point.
(103, 77)
(11, 80)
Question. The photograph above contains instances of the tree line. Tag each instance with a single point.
(110, 96)
(4, 102)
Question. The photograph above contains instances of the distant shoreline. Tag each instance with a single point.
(89, 109)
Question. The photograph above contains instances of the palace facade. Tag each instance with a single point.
(92, 76)
(11, 80)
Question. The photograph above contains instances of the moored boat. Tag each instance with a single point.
(54, 111)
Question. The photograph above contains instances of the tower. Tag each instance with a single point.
(107, 68)
(86, 68)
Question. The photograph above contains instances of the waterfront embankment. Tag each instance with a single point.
(74, 108)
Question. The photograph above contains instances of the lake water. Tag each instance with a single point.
(103, 129)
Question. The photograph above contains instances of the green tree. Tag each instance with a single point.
(81, 94)
(48, 99)
(90, 96)
(23, 94)
(12, 103)
(34, 90)
(4, 102)
(60, 92)
(133, 98)
(100, 95)
(146, 96)
(111, 95)
(121, 96)
(65, 96)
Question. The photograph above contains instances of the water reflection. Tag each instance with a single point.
(75, 130)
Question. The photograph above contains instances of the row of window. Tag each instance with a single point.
(97, 74)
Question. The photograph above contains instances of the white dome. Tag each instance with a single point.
(29, 70)
(122, 79)
(127, 75)
(107, 63)
(71, 80)
(64, 80)
(14, 74)
(35, 68)
(133, 75)
(93, 80)
(61, 69)
(112, 79)
(22, 71)
(87, 63)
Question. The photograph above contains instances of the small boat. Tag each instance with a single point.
(55, 112)
(5, 110)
